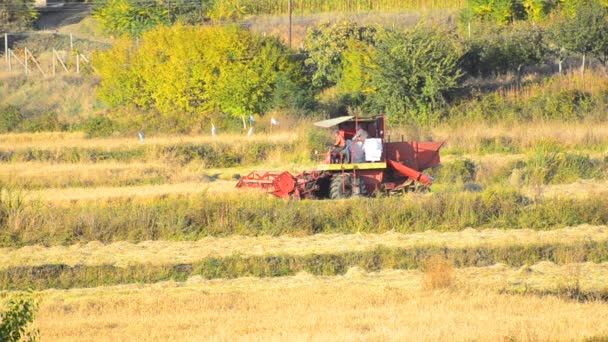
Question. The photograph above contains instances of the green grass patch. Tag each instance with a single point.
(191, 218)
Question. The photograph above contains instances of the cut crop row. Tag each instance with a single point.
(64, 276)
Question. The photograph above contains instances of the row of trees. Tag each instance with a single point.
(205, 72)
(507, 11)
(132, 17)
(208, 72)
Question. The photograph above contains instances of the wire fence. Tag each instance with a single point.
(45, 54)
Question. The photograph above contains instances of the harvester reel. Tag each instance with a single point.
(342, 186)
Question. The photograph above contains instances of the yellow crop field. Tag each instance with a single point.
(120, 241)
(388, 305)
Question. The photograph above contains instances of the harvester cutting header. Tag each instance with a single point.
(361, 163)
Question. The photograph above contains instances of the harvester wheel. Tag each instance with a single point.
(338, 190)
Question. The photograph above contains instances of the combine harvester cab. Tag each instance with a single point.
(367, 167)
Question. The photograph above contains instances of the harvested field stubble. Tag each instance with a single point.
(388, 305)
(123, 254)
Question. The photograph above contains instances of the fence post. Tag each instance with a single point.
(71, 42)
(25, 64)
(56, 56)
(290, 20)
(78, 63)
(6, 48)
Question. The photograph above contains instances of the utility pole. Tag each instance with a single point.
(290, 14)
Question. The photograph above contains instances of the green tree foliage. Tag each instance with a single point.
(499, 50)
(586, 32)
(10, 117)
(499, 11)
(16, 15)
(133, 17)
(414, 71)
(357, 65)
(20, 311)
(228, 10)
(184, 73)
(537, 10)
(326, 45)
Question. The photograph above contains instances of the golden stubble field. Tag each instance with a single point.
(388, 305)
(496, 302)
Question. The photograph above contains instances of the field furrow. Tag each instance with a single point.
(273, 265)
(122, 254)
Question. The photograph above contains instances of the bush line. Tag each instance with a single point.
(64, 276)
(191, 218)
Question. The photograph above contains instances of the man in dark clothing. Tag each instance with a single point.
(338, 148)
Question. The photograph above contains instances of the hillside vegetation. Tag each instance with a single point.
(485, 67)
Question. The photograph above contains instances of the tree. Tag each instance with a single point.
(326, 45)
(506, 49)
(499, 11)
(537, 10)
(17, 15)
(133, 17)
(358, 62)
(414, 71)
(586, 32)
(191, 73)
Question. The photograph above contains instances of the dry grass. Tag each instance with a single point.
(143, 191)
(464, 137)
(171, 252)
(579, 189)
(71, 97)
(438, 273)
(59, 140)
(39, 175)
(278, 25)
(468, 137)
(388, 305)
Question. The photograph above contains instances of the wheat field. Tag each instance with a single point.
(389, 305)
(536, 284)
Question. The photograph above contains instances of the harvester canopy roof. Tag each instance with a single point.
(341, 119)
(333, 122)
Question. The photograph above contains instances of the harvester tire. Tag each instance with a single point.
(339, 191)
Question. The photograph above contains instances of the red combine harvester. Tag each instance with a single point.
(366, 167)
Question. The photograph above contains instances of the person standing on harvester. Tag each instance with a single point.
(338, 149)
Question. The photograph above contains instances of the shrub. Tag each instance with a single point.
(98, 126)
(40, 123)
(14, 321)
(10, 117)
(549, 164)
(458, 171)
(16, 15)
